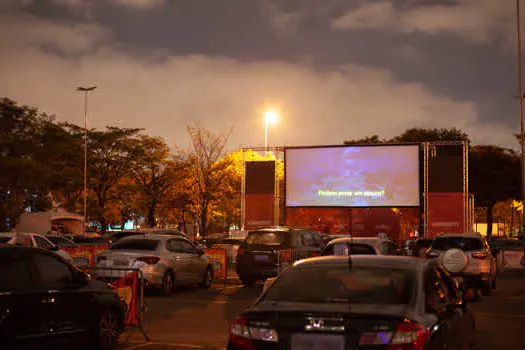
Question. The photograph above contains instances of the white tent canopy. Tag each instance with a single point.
(56, 219)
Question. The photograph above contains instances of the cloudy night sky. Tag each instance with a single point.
(335, 69)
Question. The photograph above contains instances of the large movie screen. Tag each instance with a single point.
(353, 176)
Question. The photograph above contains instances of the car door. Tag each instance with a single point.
(439, 303)
(71, 298)
(179, 260)
(25, 314)
(195, 261)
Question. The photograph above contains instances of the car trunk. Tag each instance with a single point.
(329, 326)
(123, 258)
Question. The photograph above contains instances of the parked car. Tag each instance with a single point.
(361, 246)
(367, 302)
(46, 303)
(115, 236)
(258, 255)
(33, 240)
(418, 247)
(480, 266)
(61, 241)
(165, 261)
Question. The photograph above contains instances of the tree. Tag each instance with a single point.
(154, 171)
(494, 176)
(431, 135)
(110, 158)
(375, 139)
(208, 173)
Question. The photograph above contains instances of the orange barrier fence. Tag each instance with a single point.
(85, 255)
(219, 259)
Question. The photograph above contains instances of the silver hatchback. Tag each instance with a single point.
(481, 266)
(165, 261)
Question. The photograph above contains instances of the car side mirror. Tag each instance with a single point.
(200, 251)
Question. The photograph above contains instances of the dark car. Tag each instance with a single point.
(47, 303)
(258, 256)
(366, 302)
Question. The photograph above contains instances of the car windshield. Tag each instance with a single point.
(61, 242)
(464, 243)
(136, 244)
(358, 285)
(265, 237)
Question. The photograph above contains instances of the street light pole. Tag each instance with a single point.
(86, 92)
(270, 117)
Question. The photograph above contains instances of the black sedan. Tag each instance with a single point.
(45, 303)
(366, 302)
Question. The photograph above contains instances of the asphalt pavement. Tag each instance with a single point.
(193, 318)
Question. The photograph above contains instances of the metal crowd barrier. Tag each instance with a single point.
(511, 258)
(129, 284)
(288, 257)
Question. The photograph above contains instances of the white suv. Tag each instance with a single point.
(480, 266)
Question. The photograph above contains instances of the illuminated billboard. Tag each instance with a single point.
(353, 176)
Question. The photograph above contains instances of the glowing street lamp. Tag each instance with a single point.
(270, 117)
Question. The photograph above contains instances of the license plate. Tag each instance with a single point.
(261, 257)
(120, 263)
(317, 342)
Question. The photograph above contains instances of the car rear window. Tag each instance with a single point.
(265, 237)
(464, 243)
(356, 285)
(136, 244)
(355, 249)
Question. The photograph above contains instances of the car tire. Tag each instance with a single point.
(109, 327)
(207, 279)
(168, 282)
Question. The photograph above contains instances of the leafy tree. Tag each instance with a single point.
(375, 139)
(110, 158)
(431, 135)
(494, 175)
(208, 173)
(154, 171)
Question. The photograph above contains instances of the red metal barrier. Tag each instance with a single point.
(85, 255)
(219, 259)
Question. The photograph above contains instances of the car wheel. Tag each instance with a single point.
(167, 283)
(207, 279)
(108, 330)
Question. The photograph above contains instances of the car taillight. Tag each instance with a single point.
(407, 336)
(479, 255)
(150, 260)
(241, 335)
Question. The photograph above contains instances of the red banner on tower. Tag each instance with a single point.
(445, 213)
(259, 210)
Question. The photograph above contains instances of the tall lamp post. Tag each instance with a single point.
(270, 117)
(86, 92)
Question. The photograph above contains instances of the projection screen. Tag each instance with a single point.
(352, 176)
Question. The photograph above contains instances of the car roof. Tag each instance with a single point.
(464, 234)
(360, 240)
(365, 260)
(153, 236)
